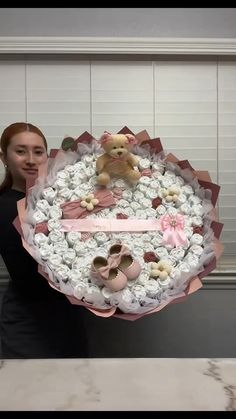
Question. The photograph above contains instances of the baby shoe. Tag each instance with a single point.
(116, 280)
(120, 254)
(100, 267)
(130, 267)
(108, 273)
(116, 251)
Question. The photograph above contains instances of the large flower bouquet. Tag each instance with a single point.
(123, 249)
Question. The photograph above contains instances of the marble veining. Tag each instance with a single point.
(229, 389)
(132, 384)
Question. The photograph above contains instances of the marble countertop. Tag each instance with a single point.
(133, 384)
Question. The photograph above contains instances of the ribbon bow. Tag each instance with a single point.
(173, 228)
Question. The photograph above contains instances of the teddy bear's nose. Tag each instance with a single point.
(119, 153)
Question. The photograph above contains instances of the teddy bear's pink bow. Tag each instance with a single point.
(173, 228)
(73, 210)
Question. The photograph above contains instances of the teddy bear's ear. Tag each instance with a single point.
(105, 137)
(131, 138)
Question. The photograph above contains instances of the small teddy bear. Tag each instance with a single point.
(117, 161)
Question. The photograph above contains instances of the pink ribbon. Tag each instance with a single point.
(73, 210)
(108, 225)
(173, 228)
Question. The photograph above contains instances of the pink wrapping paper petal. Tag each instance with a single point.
(42, 272)
(102, 313)
(219, 248)
(42, 172)
(17, 225)
(21, 207)
(73, 210)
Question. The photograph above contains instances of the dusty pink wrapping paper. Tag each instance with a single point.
(205, 181)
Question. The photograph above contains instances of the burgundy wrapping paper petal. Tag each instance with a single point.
(84, 138)
(53, 152)
(184, 164)
(125, 130)
(217, 228)
(42, 228)
(154, 144)
(203, 175)
(171, 158)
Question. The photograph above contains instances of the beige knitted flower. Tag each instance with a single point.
(171, 194)
(161, 269)
(89, 202)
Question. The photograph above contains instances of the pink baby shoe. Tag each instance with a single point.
(130, 267)
(121, 255)
(108, 273)
(116, 251)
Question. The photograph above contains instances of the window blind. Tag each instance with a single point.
(190, 105)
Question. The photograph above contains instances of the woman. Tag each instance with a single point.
(36, 320)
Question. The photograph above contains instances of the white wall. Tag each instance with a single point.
(119, 22)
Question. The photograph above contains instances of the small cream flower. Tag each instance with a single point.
(171, 194)
(161, 269)
(89, 202)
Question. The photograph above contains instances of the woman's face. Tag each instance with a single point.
(25, 153)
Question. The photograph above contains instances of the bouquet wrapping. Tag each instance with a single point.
(124, 250)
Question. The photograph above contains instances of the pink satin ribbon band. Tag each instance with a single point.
(109, 225)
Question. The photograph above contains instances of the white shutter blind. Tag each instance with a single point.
(227, 153)
(186, 112)
(190, 105)
(12, 95)
(58, 98)
(122, 94)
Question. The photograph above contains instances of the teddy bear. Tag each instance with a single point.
(117, 161)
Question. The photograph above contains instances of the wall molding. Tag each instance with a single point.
(117, 45)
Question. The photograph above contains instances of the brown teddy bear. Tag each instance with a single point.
(117, 161)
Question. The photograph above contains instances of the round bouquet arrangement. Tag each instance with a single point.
(119, 226)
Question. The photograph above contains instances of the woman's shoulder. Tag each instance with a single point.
(8, 200)
(11, 195)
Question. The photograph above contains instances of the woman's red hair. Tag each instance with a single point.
(5, 140)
